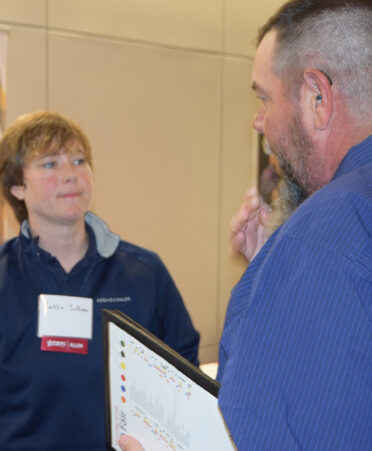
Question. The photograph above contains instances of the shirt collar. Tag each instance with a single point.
(31, 244)
(105, 242)
(357, 156)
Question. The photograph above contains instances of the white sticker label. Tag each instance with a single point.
(65, 316)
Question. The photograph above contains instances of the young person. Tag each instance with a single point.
(55, 400)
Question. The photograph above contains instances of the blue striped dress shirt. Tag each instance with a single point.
(295, 359)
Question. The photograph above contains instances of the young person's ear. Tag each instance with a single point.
(319, 97)
(18, 191)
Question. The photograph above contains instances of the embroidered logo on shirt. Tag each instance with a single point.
(114, 299)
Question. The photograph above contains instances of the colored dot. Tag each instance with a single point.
(123, 377)
(123, 366)
(122, 388)
(122, 343)
(122, 354)
(123, 399)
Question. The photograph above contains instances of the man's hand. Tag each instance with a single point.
(128, 443)
(247, 227)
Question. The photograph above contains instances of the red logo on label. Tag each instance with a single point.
(61, 344)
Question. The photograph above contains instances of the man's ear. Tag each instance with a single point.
(18, 191)
(319, 97)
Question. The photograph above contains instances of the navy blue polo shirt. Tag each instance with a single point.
(55, 400)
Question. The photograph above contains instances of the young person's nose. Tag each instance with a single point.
(69, 172)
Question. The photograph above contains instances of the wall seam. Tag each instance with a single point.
(220, 178)
(47, 59)
(122, 40)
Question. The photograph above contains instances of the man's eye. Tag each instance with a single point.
(263, 98)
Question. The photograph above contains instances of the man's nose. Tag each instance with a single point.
(258, 121)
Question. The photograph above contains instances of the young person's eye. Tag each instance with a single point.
(79, 161)
(50, 164)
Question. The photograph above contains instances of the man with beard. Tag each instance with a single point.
(295, 361)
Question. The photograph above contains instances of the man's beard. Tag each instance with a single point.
(291, 192)
(290, 196)
(301, 146)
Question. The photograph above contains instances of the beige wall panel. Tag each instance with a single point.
(153, 118)
(242, 19)
(26, 84)
(186, 23)
(238, 166)
(208, 354)
(26, 77)
(30, 12)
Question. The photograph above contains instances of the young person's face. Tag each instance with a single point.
(57, 187)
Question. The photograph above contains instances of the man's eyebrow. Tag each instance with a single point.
(256, 87)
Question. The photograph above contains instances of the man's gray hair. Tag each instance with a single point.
(334, 36)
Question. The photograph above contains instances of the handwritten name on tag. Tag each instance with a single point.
(65, 316)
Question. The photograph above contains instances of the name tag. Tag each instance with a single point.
(60, 344)
(65, 323)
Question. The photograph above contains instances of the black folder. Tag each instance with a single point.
(155, 394)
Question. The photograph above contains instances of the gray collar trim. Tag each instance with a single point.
(107, 242)
(25, 229)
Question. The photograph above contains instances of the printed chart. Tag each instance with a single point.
(154, 402)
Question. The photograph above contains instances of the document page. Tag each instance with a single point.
(153, 401)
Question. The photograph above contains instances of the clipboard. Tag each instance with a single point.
(155, 394)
